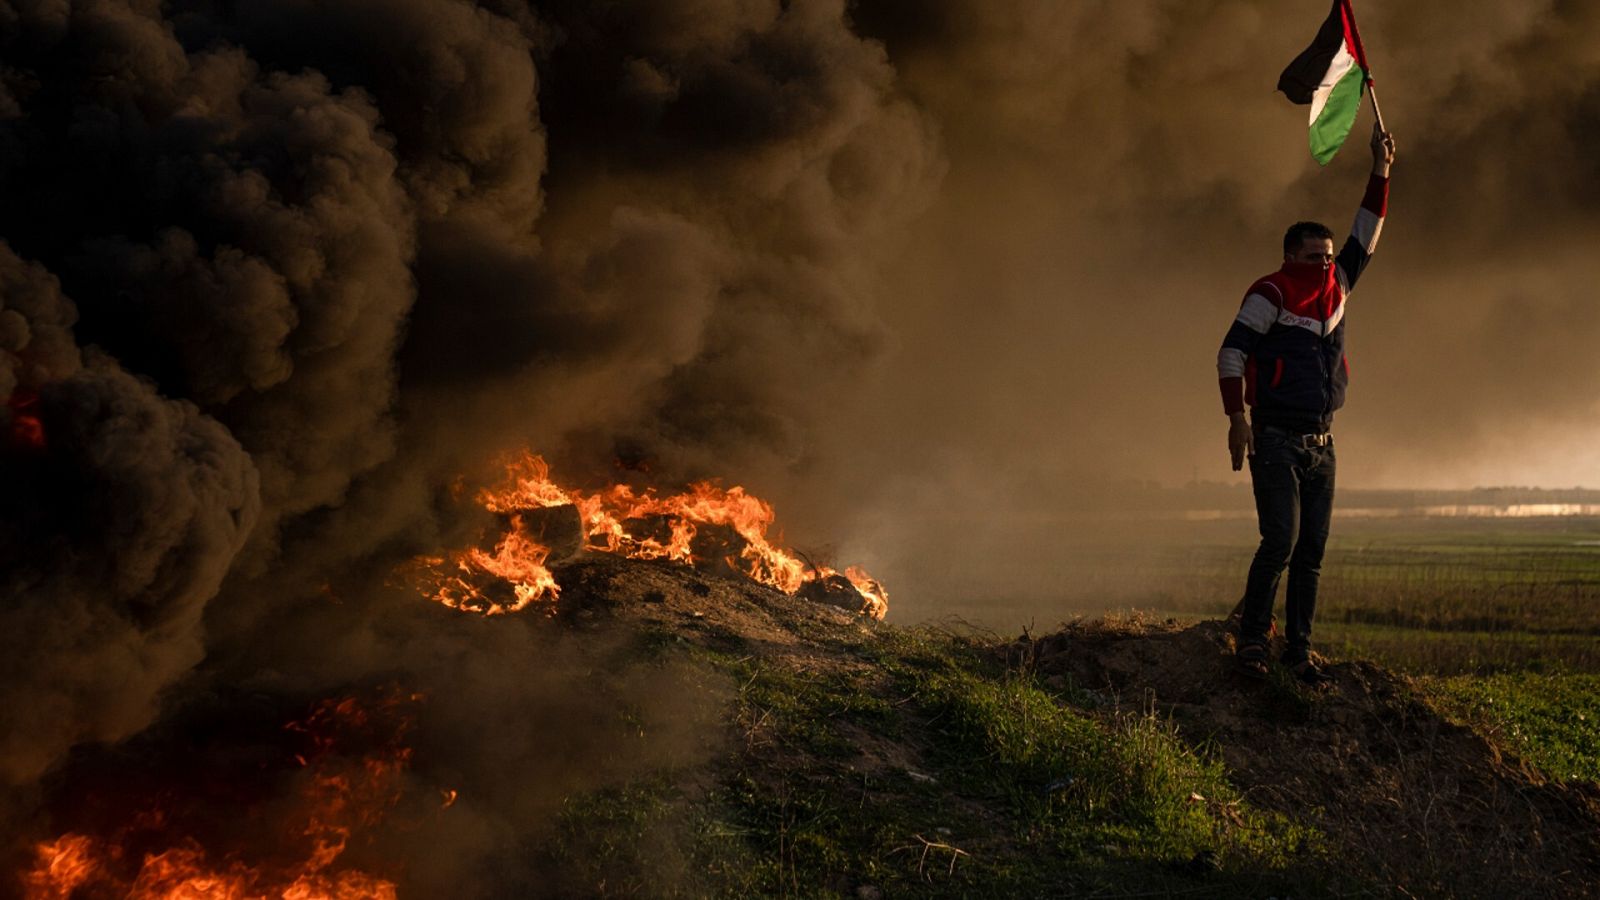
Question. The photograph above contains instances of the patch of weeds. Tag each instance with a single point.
(628, 840)
(654, 643)
(800, 834)
(1125, 788)
(1550, 720)
(936, 772)
(1134, 785)
(1067, 690)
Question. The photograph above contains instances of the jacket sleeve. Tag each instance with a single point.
(1357, 250)
(1256, 315)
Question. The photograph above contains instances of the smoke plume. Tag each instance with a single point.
(323, 259)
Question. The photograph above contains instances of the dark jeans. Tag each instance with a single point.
(1294, 505)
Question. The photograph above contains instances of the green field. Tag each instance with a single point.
(1433, 597)
(1497, 619)
(1429, 596)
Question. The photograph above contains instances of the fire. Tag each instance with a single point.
(27, 429)
(338, 796)
(182, 873)
(877, 596)
(458, 580)
(609, 522)
(64, 865)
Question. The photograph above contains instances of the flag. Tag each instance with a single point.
(1330, 75)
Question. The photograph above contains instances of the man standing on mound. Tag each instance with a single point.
(1284, 358)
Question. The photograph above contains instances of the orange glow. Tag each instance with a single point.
(876, 595)
(338, 797)
(609, 520)
(460, 579)
(27, 429)
(64, 864)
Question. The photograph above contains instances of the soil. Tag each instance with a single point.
(1365, 760)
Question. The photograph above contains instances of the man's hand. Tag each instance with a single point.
(1382, 151)
(1240, 440)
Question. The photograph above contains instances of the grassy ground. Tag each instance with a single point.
(1550, 720)
(925, 767)
(1499, 619)
(1534, 576)
(912, 762)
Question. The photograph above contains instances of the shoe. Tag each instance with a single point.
(1250, 659)
(1307, 673)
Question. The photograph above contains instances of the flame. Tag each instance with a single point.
(182, 873)
(27, 429)
(458, 579)
(64, 864)
(876, 595)
(338, 797)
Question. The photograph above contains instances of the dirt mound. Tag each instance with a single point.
(1396, 788)
(602, 586)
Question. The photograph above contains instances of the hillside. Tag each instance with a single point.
(1112, 759)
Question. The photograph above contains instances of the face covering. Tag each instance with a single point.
(1308, 286)
(1313, 273)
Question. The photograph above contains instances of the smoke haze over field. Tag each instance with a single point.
(277, 273)
(1120, 172)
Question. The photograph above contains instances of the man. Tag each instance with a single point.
(1284, 357)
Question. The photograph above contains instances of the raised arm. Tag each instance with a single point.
(1357, 250)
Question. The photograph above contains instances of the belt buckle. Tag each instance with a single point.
(1307, 441)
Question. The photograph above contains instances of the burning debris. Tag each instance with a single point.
(346, 758)
(705, 526)
(25, 430)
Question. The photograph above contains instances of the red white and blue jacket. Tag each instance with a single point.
(1284, 354)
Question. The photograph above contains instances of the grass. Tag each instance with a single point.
(911, 761)
(1085, 786)
(920, 765)
(1549, 720)
(1446, 597)
(1500, 619)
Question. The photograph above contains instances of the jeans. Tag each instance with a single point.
(1294, 506)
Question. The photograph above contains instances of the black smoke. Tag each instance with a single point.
(275, 274)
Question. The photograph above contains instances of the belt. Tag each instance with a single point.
(1306, 439)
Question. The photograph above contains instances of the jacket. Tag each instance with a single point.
(1284, 354)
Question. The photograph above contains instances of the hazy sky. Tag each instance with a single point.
(1120, 172)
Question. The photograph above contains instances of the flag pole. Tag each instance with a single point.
(1361, 60)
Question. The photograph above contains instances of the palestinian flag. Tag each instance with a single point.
(1330, 75)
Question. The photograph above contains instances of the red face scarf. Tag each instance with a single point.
(1309, 288)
